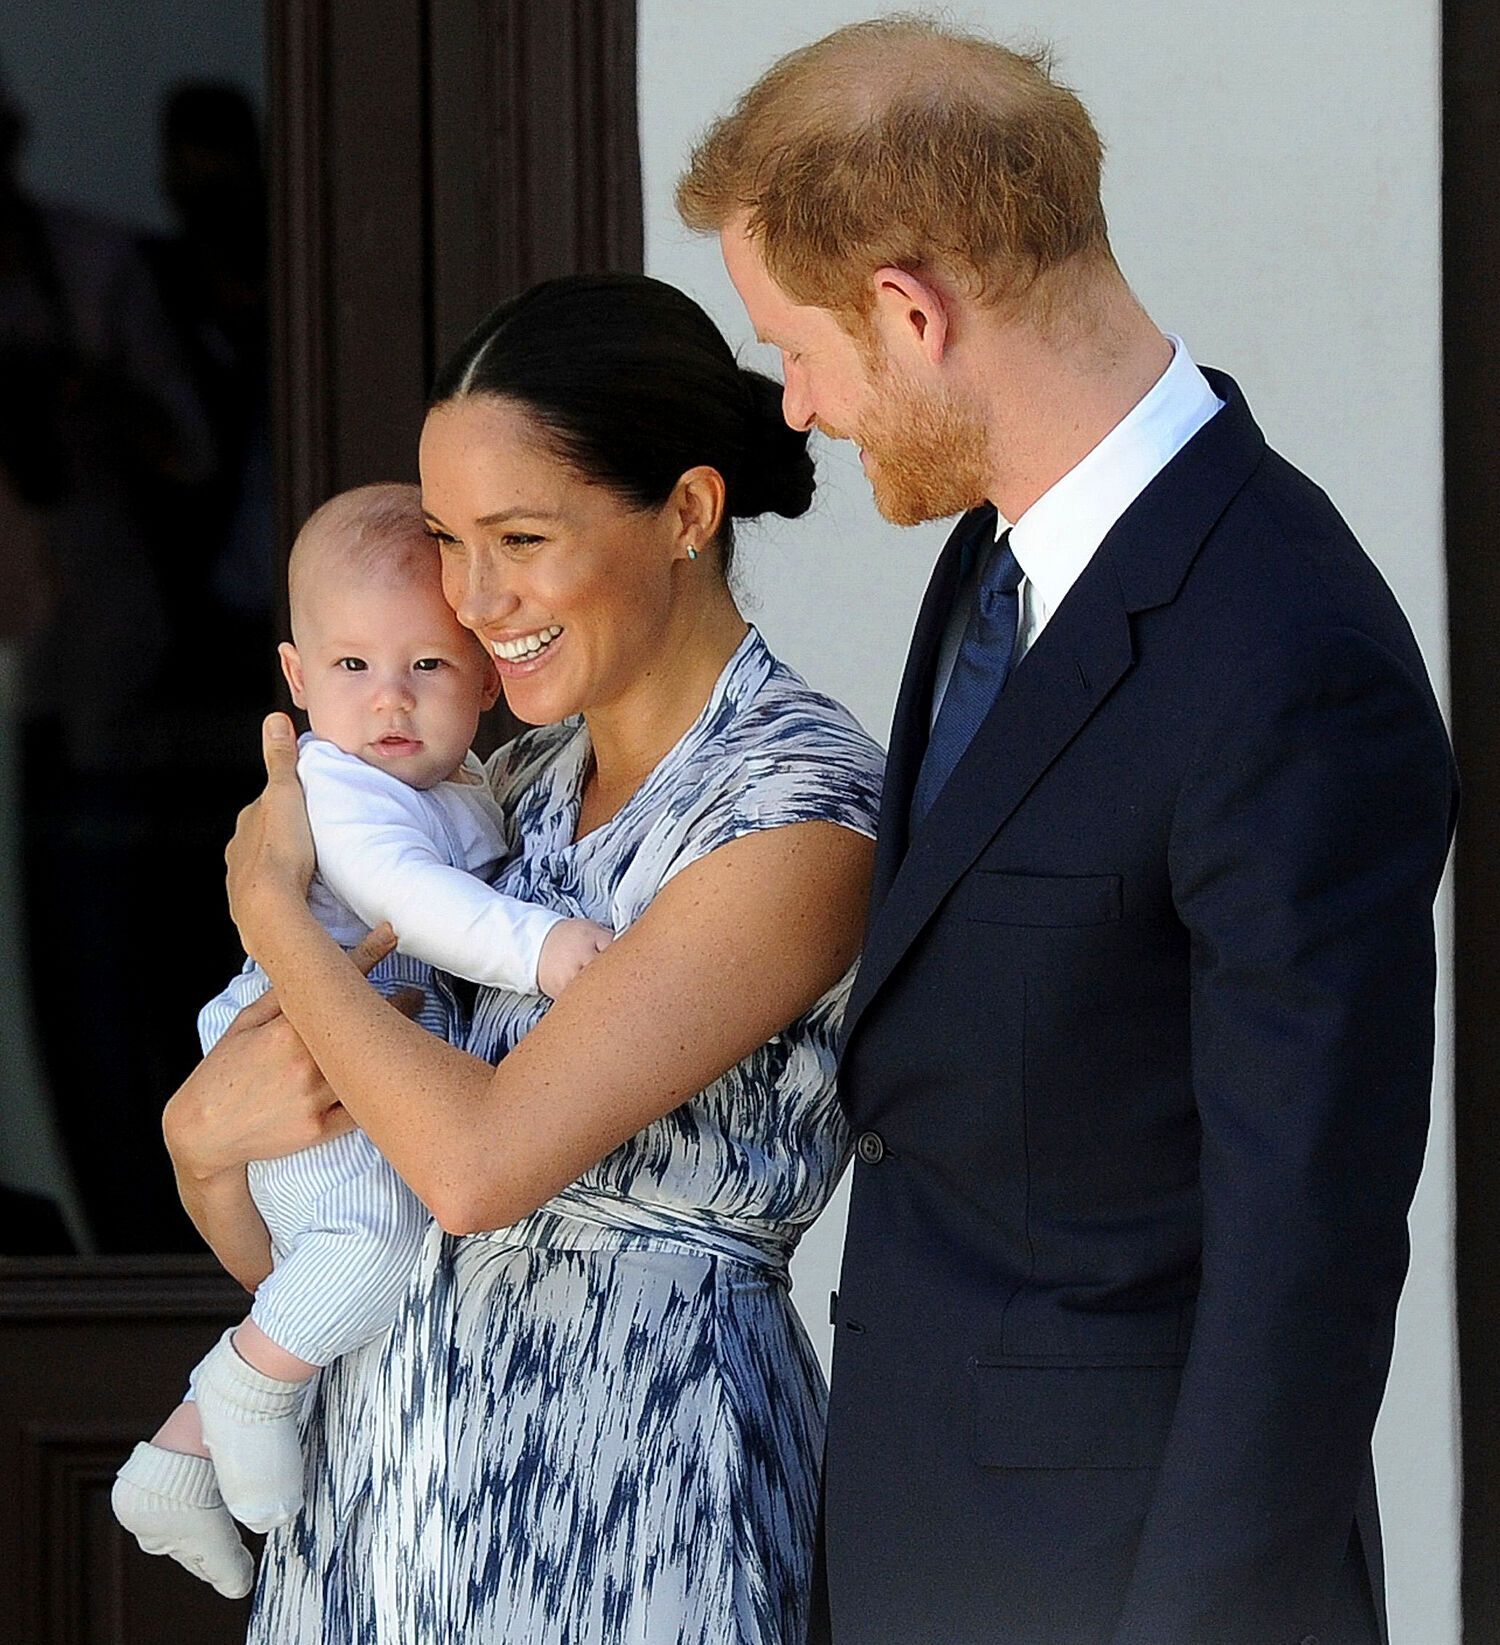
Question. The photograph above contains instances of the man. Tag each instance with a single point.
(1140, 1050)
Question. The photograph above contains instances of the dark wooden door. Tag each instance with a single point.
(1471, 359)
(427, 159)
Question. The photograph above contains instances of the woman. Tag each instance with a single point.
(599, 1419)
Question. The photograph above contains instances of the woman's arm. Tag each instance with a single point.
(731, 950)
(225, 1216)
(256, 1095)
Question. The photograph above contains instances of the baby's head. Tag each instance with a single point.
(378, 660)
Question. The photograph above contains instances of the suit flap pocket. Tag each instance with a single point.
(1073, 1416)
(1042, 899)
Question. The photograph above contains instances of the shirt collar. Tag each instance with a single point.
(1057, 536)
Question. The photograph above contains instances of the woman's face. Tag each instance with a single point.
(568, 587)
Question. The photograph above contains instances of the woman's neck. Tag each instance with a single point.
(631, 736)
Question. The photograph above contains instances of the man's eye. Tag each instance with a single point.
(352, 665)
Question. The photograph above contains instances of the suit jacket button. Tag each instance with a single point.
(870, 1148)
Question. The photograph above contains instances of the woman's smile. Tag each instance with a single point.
(523, 648)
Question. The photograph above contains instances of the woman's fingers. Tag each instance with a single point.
(279, 747)
(366, 955)
(408, 1001)
(259, 1011)
(374, 948)
(370, 952)
(271, 854)
(335, 1121)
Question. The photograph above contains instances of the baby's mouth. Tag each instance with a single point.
(394, 743)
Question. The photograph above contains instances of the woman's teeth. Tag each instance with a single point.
(516, 651)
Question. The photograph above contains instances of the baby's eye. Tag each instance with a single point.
(352, 665)
(428, 665)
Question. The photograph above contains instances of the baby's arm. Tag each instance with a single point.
(377, 855)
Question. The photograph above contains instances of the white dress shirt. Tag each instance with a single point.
(1060, 533)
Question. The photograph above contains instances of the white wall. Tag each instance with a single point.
(1273, 191)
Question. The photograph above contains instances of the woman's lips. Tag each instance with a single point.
(515, 668)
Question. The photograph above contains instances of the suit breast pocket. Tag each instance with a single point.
(994, 898)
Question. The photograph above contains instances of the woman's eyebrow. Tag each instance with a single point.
(523, 513)
(501, 516)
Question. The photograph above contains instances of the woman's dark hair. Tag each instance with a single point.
(633, 385)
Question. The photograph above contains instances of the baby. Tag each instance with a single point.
(406, 832)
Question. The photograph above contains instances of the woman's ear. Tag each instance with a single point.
(291, 668)
(697, 509)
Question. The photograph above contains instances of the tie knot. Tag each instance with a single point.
(1001, 576)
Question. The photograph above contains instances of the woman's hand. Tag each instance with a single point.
(258, 1094)
(271, 859)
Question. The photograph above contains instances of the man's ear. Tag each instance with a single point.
(291, 668)
(911, 313)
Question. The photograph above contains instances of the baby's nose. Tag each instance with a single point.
(394, 691)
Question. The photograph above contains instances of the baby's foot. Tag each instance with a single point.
(250, 1428)
(170, 1504)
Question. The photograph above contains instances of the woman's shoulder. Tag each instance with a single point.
(786, 712)
(787, 754)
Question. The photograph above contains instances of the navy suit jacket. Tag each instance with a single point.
(1139, 1059)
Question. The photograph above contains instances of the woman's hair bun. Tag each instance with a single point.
(775, 474)
(632, 384)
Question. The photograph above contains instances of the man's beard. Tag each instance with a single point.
(928, 455)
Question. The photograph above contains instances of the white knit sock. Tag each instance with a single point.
(250, 1429)
(170, 1504)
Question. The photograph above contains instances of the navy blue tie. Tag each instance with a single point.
(979, 674)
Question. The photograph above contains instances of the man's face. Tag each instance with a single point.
(922, 451)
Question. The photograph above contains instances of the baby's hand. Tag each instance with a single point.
(567, 948)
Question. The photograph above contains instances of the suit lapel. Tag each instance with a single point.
(1072, 668)
(1077, 661)
(914, 701)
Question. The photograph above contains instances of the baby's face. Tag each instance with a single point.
(386, 673)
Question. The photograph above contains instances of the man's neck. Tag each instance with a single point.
(1055, 399)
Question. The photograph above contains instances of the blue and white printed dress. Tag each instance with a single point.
(603, 1425)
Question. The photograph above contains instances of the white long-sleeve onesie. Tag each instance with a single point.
(344, 1228)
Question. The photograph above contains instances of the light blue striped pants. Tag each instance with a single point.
(345, 1229)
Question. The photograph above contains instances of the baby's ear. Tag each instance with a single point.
(291, 667)
(492, 682)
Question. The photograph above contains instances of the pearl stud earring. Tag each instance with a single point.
(692, 553)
